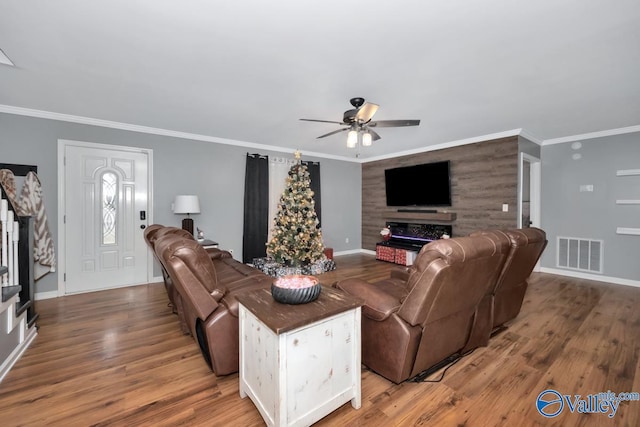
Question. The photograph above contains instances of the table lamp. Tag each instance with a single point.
(186, 204)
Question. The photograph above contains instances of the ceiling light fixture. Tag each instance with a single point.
(352, 138)
(366, 139)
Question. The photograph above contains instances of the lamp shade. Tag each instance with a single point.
(366, 139)
(186, 204)
(352, 138)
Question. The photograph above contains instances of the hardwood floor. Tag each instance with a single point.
(118, 358)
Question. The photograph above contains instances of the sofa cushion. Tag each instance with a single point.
(150, 234)
(229, 270)
(191, 254)
(215, 253)
(243, 285)
(175, 231)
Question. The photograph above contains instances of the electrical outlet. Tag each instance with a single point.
(586, 188)
(505, 207)
(346, 240)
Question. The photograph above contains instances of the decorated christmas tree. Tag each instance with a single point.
(297, 239)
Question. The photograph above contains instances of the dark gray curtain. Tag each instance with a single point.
(314, 173)
(256, 207)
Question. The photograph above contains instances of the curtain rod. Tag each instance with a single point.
(282, 160)
(19, 170)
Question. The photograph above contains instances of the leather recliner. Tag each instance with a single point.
(151, 234)
(156, 231)
(526, 248)
(411, 323)
(208, 289)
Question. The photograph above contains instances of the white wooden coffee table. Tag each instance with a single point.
(299, 363)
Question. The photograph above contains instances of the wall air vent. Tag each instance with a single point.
(580, 254)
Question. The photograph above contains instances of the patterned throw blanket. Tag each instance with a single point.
(31, 203)
(8, 182)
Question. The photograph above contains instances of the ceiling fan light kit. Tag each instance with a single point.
(352, 139)
(358, 120)
(366, 139)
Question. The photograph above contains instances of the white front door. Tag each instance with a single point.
(106, 209)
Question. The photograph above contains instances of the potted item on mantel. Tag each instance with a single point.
(385, 233)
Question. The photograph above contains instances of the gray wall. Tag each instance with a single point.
(215, 172)
(593, 215)
(528, 147)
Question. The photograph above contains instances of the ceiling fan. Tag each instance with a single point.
(358, 120)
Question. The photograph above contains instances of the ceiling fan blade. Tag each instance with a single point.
(332, 133)
(322, 121)
(394, 123)
(366, 112)
(374, 134)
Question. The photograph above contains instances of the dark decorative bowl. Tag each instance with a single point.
(296, 295)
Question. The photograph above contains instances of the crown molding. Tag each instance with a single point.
(42, 114)
(528, 135)
(591, 135)
(9, 109)
(475, 139)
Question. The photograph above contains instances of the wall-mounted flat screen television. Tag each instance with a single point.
(426, 184)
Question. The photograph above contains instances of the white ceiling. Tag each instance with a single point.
(247, 70)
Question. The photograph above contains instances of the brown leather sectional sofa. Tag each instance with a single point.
(457, 291)
(203, 285)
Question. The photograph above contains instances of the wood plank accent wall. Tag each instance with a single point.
(483, 177)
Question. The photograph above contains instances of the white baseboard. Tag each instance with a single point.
(367, 251)
(55, 294)
(45, 295)
(348, 252)
(588, 276)
(17, 352)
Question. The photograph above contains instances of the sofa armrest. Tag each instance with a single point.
(378, 305)
(401, 273)
(202, 301)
